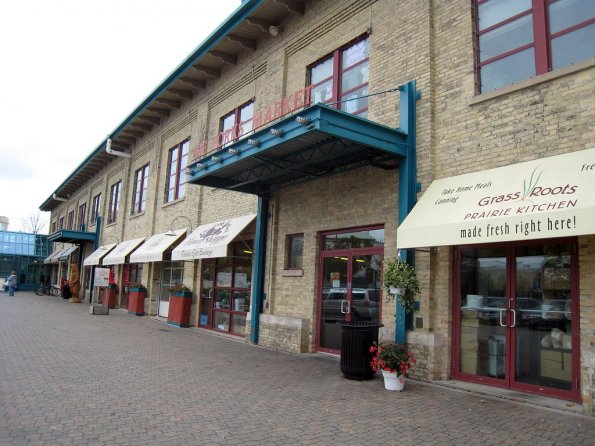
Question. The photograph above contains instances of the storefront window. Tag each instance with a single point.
(225, 290)
(359, 239)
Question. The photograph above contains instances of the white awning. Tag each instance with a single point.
(211, 240)
(119, 253)
(49, 258)
(545, 198)
(152, 250)
(63, 257)
(98, 254)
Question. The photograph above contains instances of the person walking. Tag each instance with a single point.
(12, 283)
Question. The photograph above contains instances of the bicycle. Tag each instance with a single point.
(48, 289)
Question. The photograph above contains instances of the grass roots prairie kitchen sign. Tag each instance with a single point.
(544, 198)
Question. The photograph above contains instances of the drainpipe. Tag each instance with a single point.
(407, 186)
(259, 263)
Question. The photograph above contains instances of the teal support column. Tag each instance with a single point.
(407, 185)
(95, 246)
(259, 263)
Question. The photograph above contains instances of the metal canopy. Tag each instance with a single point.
(69, 236)
(316, 142)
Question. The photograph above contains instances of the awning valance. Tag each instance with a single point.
(545, 198)
(66, 253)
(152, 250)
(118, 255)
(49, 258)
(211, 240)
(96, 256)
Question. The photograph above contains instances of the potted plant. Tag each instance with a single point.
(180, 302)
(400, 280)
(395, 361)
(136, 298)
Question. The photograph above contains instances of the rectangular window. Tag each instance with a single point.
(82, 216)
(139, 197)
(519, 39)
(177, 160)
(61, 223)
(295, 251)
(95, 208)
(114, 202)
(341, 78)
(71, 219)
(236, 124)
(53, 226)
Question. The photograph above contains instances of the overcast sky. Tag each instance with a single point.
(71, 72)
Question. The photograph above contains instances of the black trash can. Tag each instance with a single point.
(356, 340)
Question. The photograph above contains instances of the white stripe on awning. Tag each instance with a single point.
(152, 250)
(545, 198)
(119, 253)
(66, 253)
(211, 240)
(95, 257)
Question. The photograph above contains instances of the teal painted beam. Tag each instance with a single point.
(407, 185)
(259, 263)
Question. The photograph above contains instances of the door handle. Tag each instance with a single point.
(502, 324)
(513, 318)
(343, 302)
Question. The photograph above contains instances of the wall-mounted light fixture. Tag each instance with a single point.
(108, 149)
(302, 120)
(274, 30)
(254, 142)
(276, 132)
(171, 231)
(57, 198)
(233, 151)
(216, 158)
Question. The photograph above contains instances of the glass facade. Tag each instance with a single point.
(23, 253)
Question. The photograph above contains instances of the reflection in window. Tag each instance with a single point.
(295, 251)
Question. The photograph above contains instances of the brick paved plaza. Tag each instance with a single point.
(68, 377)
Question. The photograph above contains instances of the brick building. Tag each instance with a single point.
(300, 135)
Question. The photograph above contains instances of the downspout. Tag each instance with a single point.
(407, 185)
(259, 266)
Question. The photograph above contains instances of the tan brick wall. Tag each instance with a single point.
(457, 132)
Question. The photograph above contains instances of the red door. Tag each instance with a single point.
(516, 316)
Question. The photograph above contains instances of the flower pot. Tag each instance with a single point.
(393, 381)
(180, 303)
(136, 301)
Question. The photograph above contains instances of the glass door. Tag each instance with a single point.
(350, 282)
(171, 272)
(514, 313)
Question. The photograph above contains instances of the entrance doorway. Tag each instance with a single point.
(171, 272)
(350, 282)
(516, 316)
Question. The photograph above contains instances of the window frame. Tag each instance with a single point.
(82, 214)
(95, 208)
(114, 202)
(236, 132)
(139, 196)
(541, 43)
(176, 174)
(289, 238)
(337, 92)
(70, 224)
(61, 223)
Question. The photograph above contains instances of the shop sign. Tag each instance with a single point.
(545, 198)
(211, 240)
(102, 277)
(262, 117)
